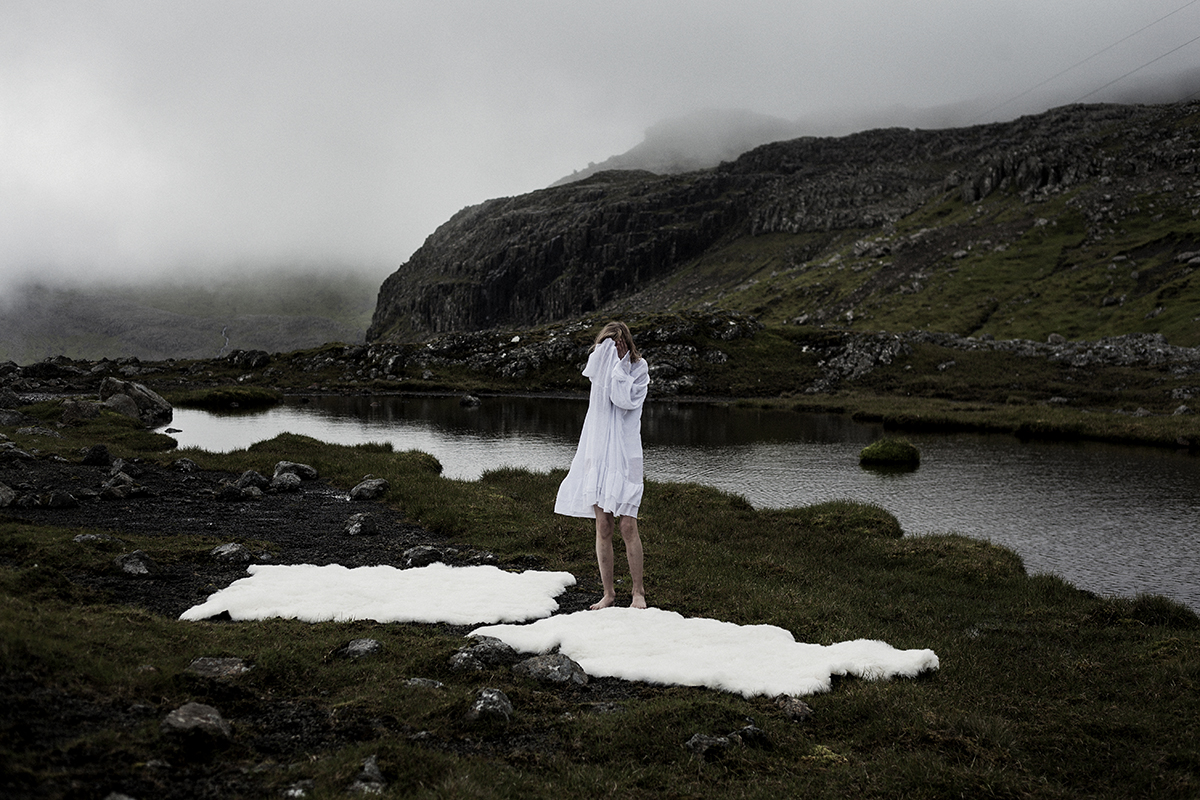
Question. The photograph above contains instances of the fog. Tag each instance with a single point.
(144, 140)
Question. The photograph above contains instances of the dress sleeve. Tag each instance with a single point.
(598, 357)
(629, 383)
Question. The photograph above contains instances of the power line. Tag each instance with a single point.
(1089, 58)
(1127, 74)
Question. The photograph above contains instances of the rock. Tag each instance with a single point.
(469, 401)
(487, 651)
(231, 553)
(137, 564)
(284, 482)
(363, 524)
(422, 556)
(217, 668)
(7, 496)
(60, 499)
(185, 465)
(369, 489)
(78, 411)
(370, 779)
(38, 430)
(357, 648)
(1180, 411)
(707, 748)
(196, 721)
(137, 401)
(97, 456)
(552, 668)
(490, 705)
(793, 708)
(91, 538)
(751, 736)
(302, 471)
(250, 478)
(425, 683)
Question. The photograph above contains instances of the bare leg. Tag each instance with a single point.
(633, 551)
(604, 557)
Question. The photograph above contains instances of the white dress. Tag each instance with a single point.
(607, 468)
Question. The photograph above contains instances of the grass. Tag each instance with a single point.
(1044, 690)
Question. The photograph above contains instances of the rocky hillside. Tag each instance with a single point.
(1082, 221)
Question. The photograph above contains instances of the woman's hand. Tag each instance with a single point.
(621, 348)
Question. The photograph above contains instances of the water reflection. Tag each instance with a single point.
(1112, 519)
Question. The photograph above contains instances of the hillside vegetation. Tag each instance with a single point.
(1083, 221)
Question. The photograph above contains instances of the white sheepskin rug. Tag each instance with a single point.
(663, 647)
(436, 593)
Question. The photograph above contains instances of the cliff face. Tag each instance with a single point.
(571, 250)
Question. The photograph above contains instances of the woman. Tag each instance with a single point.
(605, 480)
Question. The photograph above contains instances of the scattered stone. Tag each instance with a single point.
(751, 736)
(250, 478)
(363, 524)
(285, 482)
(490, 705)
(185, 465)
(422, 556)
(357, 648)
(793, 708)
(97, 456)
(137, 563)
(487, 651)
(552, 668)
(232, 553)
(196, 721)
(38, 430)
(369, 488)
(370, 780)
(60, 499)
(217, 668)
(137, 401)
(302, 471)
(300, 788)
(707, 748)
(90, 538)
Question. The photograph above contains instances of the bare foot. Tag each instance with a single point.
(639, 601)
(603, 602)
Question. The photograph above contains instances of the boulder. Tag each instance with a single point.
(284, 482)
(217, 668)
(7, 496)
(137, 564)
(197, 721)
(97, 456)
(357, 648)
(422, 556)
(490, 705)
(137, 401)
(487, 651)
(552, 668)
(369, 780)
(369, 488)
(706, 747)
(303, 471)
(363, 524)
(231, 553)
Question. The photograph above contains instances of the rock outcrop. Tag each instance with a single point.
(571, 250)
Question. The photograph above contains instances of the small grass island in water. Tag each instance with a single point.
(890, 453)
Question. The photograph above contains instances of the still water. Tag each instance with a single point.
(1112, 519)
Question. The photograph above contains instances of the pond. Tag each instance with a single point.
(1113, 519)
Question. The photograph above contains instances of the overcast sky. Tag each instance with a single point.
(154, 137)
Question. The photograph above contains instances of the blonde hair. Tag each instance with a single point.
(618, 331)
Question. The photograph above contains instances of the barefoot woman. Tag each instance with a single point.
(605, 480)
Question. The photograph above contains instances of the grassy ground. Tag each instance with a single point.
(1044, 691)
